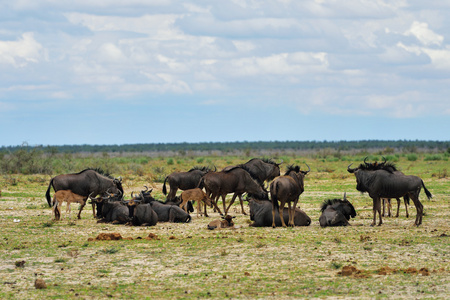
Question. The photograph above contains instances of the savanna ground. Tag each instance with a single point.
(395, 260)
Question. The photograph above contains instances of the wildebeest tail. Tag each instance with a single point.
(47, 194)
(406, 197)
(201, 184)
(427, 192)
(164, 190)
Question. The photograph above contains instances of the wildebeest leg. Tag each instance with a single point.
(280, 212)
(292, 213)
(215, 204)
(376, 208)
(206, 214)
(291, 221)
(231, 203)
(172, 193)
(389, 206)
(384, 205)
(398, 208)
(93, 208)
(81, 208)
(406, 208)
(419, 209)
(68, 210)
(242, 204)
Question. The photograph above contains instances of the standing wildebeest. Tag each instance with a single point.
(382, 182)
(196, 194)
(263, 169)
(85, 183)
(67, 196)
(388, 166)
(261, 215)
(287, 188)
(336, 212)
(232, 180)
(183, 180)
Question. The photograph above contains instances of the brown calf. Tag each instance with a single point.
(195, 195)
(69, 197)
(227, 222)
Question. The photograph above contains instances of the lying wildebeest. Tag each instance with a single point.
(196, 194)
(381, 182)
(87, 182)
(287, 188)
(114, 211)
(67, 196)
(261, 215)
(170, 213)
(227, 222)
(142, 214)
(336, 212)
(235, 180)
(183, 180)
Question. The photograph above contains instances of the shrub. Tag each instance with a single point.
(411, 157)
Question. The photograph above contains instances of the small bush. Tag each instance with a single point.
(411, 157)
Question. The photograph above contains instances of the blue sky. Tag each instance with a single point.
(136, 71)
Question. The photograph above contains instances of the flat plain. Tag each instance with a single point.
(184, 261)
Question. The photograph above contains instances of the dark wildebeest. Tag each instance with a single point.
(262, 169)
(170, 213)
(261, 215)
(227, 222)
(382, 182)
(232, 180)
(142, 214)
(183, 180)
(87, 182)
(336, 212)
(287, 188)
(388, 166)
(114, 211)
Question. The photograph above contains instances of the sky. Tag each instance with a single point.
(166, 71)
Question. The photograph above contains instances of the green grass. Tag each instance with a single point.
(247, 262)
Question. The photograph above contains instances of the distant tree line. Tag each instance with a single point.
(225, 147)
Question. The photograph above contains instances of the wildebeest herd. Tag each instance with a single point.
(206, 186)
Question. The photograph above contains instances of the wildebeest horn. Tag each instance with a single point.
(365, 161)
(345, 196)
(384, 158)
(146, 188)
(350, 170)
(280, 162)
(309, 168)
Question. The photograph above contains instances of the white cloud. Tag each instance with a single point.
(425, 35)
(21, 52)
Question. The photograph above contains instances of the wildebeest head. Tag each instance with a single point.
(342, 205)
(229, 220)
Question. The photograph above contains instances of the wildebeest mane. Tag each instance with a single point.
(204, 169)
(328, 202)
(242, 166)
(388, 166)
(266, 160)
(98, 170)
(291, 168)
